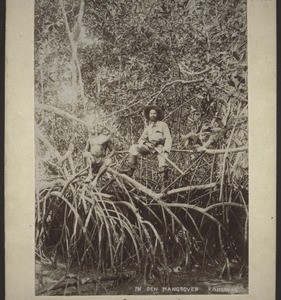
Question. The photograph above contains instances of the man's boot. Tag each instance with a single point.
(132, 161)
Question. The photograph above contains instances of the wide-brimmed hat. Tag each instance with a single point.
(148, 108)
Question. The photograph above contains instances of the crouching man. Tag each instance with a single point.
(98, 154)
(156, 138)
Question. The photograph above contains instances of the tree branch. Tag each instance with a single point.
(201, 150)
(59, 112)
(73, 45)
(138, 185)
(183, 82)
(154, 195)
(52, 149)
(185, 70)
(192, 188)
(216, 151)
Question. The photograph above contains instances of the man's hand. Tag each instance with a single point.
(164, 150)
(149, 145)
(87, 154)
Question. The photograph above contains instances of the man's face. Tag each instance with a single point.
(97, 130)
(153, 115)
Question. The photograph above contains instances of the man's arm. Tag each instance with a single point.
(88, 146)
(86, 153)
(168, 139)
(144, 137)
(111, 147)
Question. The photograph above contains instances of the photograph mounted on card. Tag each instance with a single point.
(145, 159)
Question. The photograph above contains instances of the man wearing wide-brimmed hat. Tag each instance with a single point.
(155, 138)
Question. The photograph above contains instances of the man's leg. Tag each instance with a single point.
(105, 163)
(163, 169)
(134, 151)
(88, 160)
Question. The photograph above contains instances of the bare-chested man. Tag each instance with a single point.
(96, 155)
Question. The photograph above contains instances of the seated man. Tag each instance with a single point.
(156, 138)
(96, 155)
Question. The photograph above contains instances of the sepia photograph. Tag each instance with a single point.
(140, 151)
(141, 147)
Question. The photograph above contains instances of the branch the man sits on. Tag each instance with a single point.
(155, 135)
(95, 154)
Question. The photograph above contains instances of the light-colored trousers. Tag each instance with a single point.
(141, 149)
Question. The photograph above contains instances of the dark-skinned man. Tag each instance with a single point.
(98, 154)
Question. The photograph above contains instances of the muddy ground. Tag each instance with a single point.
(196, 281)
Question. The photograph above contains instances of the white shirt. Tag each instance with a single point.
(157, 132)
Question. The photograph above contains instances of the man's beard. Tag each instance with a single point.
(153, 119)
